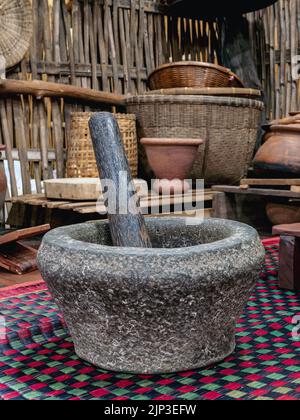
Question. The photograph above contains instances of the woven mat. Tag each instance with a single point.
(37, 359)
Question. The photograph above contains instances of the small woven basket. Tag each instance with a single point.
(192, 74)
(81, 161)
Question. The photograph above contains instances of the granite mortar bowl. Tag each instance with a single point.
(167, 309)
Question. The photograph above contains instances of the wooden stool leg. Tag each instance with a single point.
(289, 271)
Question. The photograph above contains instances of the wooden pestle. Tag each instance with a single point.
(127, 230)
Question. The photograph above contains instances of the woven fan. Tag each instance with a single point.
(16, 30)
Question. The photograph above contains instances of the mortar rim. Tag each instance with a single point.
(243, 234)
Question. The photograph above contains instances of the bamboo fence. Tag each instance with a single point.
(113, 45)
(275, 35)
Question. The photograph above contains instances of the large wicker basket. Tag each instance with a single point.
(192, 74)
(228, 126)
(81, 161)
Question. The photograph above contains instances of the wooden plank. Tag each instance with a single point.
(36, 202)
(256, 191)
(9, 144)
(124, 53)
(91, 210)
(82, 189)
(44, 139)
(175, 199)
(151, 201)
(41, 90)
(271, 182)
(76, 205)
(206, 212)
(95, 84)
(33, 155)
(53, 204)
(22, 234)
(18, 258)
(112, 51)
(24, 198)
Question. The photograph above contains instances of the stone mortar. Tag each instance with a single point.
(167, 309)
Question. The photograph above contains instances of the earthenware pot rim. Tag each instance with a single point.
(152, 141)
(286, 128)
(240, 235)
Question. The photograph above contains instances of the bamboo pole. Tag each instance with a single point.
(42, 90)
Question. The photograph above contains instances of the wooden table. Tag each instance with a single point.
(32, 210)
(248, 205)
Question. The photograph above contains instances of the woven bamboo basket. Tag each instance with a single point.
(228, 126)
(236, 92)
(16, 30)
(81, 161)
(192, 74)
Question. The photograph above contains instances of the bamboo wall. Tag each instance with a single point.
(113, 45)
(275, 34)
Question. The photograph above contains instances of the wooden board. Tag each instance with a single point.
(18, 258)
(245, 183)
(153, 201)
(18, 235)
(15, 255)
(40, 89)
(256, 191)
(82, 189)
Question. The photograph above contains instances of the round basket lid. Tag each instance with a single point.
(16, 30)
(215, 8)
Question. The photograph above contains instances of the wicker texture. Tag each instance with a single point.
(228, 127)
(81, 161)
(16, 30)
(236, 92)
(192, 74)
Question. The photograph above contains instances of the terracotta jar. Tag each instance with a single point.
(283, 214)
(171, 160)
(280, 154)
(3, 182)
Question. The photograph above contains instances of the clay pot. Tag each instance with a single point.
(3, 182)
(279, 156)
(171, 161)
(283, 214)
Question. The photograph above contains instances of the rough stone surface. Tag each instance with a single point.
(167, 309)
